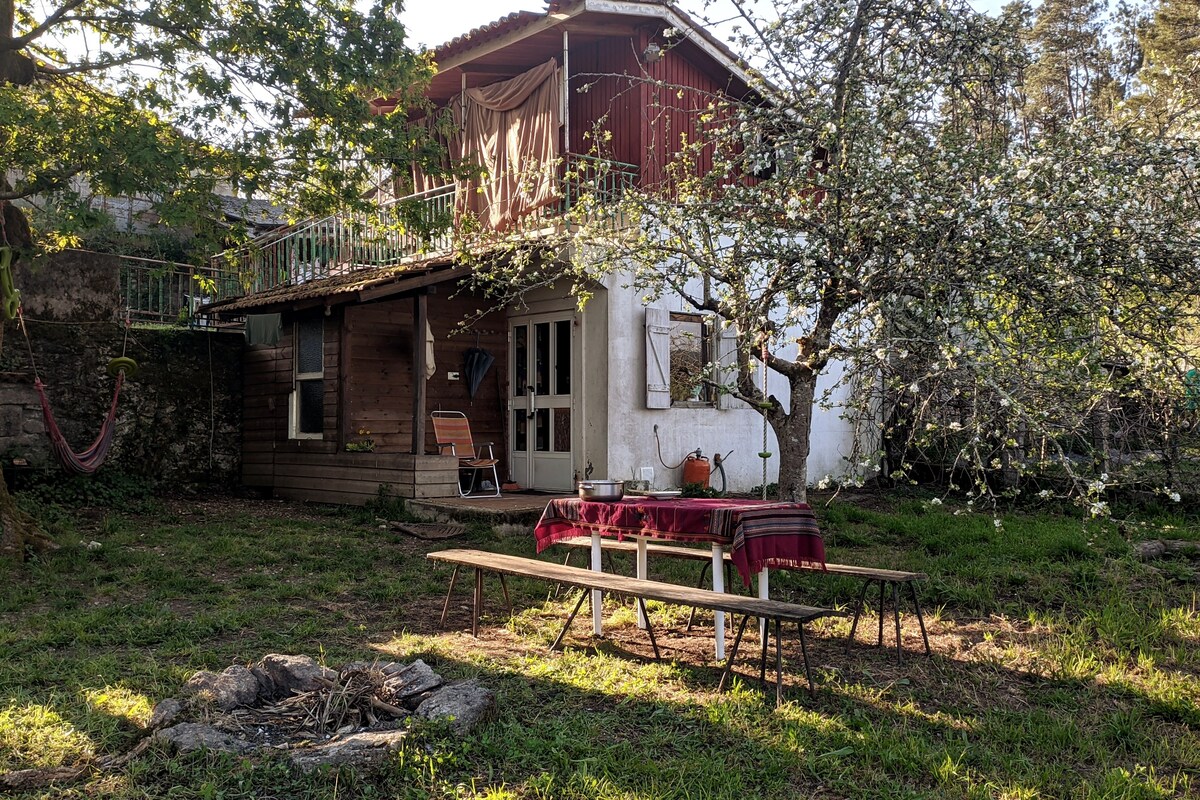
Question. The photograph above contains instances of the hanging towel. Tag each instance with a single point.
(263, 329)
(430, 366)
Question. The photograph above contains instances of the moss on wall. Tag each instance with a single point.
(178, 421)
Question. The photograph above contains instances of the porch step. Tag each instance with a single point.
(513, 509)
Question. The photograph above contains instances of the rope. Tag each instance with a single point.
(28, 343)
(764, 425)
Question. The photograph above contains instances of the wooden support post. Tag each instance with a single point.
(477, 603)
(896, 607)
(343, 392)
(446, 605)
(420, 320)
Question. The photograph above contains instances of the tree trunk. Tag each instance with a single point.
(20, 534)
(793, 431)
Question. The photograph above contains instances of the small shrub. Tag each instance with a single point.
(108, 488)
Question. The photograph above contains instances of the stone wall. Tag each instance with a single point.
(178, 420)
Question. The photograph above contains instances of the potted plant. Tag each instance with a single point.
(363, 445)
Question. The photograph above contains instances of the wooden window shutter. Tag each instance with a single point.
(658, 358)
(726, 372)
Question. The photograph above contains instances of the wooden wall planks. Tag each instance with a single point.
(371, 390)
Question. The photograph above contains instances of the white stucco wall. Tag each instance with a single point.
(613, 431)
(630, 427)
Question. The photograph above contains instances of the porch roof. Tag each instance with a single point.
(350, 287)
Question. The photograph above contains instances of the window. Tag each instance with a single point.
(691, 357)
(308, 397)
(685, 352)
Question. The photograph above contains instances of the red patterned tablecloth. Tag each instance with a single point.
(758, 534)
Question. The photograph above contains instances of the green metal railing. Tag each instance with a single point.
(166, 292)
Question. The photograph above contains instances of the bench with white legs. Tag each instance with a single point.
(889, 580)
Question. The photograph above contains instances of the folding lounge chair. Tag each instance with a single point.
(452, 431)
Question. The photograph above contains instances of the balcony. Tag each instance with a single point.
(406, 230)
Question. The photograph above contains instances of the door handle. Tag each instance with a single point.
(532, 402)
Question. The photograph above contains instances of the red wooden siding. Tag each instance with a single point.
(647, 108)
(673, 105)
(611, 98)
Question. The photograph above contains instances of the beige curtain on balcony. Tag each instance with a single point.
(510, 129)
(423, 182)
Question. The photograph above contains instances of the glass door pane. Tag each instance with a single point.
(541, 354)
(520, 360)
(562, 357)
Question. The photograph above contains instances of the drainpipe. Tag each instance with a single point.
(566, 96)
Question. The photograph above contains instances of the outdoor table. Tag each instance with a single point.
(758, 534)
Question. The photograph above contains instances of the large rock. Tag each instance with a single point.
(464, 703)
(281, 676)
(357, 749)
(405, 682)
(164, 713)
(236, 686)
(189, 736)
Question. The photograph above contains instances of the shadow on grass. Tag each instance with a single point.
(1005, 715)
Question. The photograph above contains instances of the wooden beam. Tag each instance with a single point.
(420, 320)
(344, 345)
(407, 285)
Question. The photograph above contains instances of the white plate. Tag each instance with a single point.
(665, 494)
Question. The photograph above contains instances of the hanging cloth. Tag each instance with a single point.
(87, 462)
(430, 365)
(510, 129)
(263, 329)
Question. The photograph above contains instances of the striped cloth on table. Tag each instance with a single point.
(758, 534)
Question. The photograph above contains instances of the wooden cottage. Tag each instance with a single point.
(340, 386)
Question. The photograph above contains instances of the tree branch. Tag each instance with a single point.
(49, 22)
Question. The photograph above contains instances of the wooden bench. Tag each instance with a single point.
(869, 575)
(641, 590)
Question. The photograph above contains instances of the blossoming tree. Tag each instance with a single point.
(986, 292)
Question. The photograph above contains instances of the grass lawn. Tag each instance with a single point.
(1062, 666)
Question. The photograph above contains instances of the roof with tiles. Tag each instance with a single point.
(326, 288)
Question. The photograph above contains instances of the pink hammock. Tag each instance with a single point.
(87, 462)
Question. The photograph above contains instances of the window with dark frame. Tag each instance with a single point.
(309, 356)
(691, 346)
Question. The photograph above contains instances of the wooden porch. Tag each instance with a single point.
(356, 478)
(521, 507)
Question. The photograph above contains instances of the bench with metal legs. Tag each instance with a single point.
(884, 581)
(869, 575)
(642, 590)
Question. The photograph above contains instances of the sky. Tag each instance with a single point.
(433, 22)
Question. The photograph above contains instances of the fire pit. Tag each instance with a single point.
(315, 715)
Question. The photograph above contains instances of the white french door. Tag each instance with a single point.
(540, 358)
